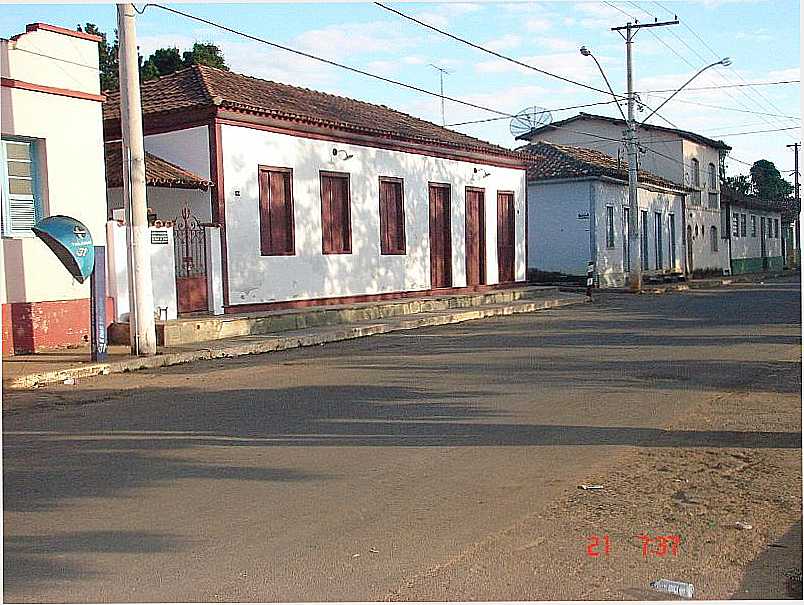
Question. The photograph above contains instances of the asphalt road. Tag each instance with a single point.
(337, 473)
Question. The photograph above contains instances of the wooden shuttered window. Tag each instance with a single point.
(392, 216)
(277, 226)
(336, 223)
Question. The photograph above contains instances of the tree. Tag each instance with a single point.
(740, 183)
(107, 57)
(768, 182)
(205, 53)
(162, 61)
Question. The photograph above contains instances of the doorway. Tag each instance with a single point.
(440, 236)
(475, 236)
(505, 236)
(191, 263)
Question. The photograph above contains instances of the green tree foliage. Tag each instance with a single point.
(768, 182)
(740, 183)
(161, 62)
(107, 57)
(205, 54)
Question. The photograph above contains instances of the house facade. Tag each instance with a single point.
(756, 233)
(684, 158)
(326, 199)
(578, 211)
(51, 164)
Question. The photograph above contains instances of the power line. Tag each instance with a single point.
(556, 109)
(734, 71)
(491, 52)
(727, 86)
(328, 61)
(727, 134)
(751, 111)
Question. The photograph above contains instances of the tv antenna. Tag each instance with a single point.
(441, 78)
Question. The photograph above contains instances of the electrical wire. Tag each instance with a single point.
(726, 86)
(328, 61)
(551, 110)
(751, 111)
(492, 52)
(735, 72)
(507, 58)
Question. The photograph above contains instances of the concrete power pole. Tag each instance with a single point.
(796, 226)
(634, 250)
(141, 299)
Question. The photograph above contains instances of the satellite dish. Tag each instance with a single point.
(529, 119)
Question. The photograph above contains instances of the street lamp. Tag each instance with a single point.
(726, 61)
(588, 53)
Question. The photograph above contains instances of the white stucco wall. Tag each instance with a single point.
(69, 138)
(559, 241)
(168, 202)
(751, 246)
(188, 148)
(253, 278)
(700, 216)
(609, 262)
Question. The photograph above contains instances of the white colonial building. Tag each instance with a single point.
(578, 213)
(52, 163)
(756, 232)
(325, 199)
(685, 158)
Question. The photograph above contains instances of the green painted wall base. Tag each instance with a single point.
(754, 265)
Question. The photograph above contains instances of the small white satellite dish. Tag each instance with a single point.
(529, 119)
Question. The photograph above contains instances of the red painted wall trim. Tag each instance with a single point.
(32, 27)
(218, 198)
(51, 90)
(29, 327)
(373, 141)
(361, 298)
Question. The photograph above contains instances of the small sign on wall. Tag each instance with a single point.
(159, 237)
(583, 216)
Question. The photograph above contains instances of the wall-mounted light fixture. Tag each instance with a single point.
(480, 173)
(341, 154)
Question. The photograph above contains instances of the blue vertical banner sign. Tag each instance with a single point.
(97, 306)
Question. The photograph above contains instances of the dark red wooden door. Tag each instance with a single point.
(505, 236)
(440, 237)
(475, 237)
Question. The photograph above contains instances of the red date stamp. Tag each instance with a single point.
(652, 546)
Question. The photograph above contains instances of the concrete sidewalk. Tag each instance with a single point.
(32, 371)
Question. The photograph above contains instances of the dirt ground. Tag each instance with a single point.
(695, 493)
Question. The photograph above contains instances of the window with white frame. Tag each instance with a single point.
(22, 204)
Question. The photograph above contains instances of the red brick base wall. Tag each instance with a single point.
(32, 327)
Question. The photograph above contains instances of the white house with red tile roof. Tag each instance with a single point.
(52, 163)
(326, 199)
(578, 213)
(686, 158)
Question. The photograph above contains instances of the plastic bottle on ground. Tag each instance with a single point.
(682, 589)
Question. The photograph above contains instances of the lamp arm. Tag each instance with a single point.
(616, 99)
(679, 90)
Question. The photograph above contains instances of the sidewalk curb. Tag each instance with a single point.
(271, 343)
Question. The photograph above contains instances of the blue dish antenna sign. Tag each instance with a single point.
(70, 241)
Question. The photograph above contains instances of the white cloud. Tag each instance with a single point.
(441, 15)
(345, 40)
(538, 24)
(568, 64)
(557, 44)
(504, 42)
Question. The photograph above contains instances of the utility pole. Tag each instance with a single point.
(441, 78)
(796, 225)
(141, 300)
(634, 251)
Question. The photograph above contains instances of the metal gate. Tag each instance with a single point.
(191, 263)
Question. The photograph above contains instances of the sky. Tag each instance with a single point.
(762, 38)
